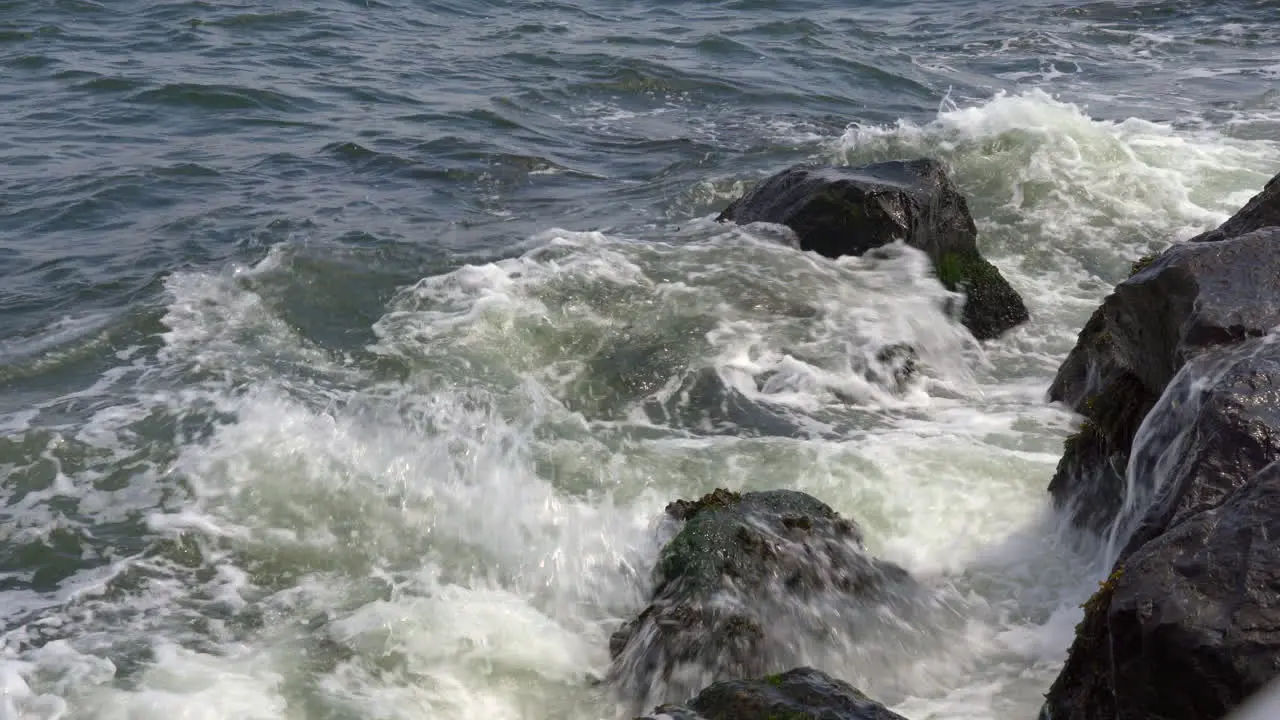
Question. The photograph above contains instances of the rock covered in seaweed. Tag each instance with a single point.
(837, 211)
(747, 580)
(802, 693)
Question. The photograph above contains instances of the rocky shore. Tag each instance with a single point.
(1177, 375)
(1177, 380)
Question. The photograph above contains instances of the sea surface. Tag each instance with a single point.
(350, 351)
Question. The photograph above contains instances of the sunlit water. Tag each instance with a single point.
(350, 352)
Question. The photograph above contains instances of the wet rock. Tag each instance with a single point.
(800, 694)
(900, 364)
(745, 583)
(837, 211)
(634, 363)
(1178, 374)
(672, 712)
(1193, 297)
(1188, 626)
(705, 403)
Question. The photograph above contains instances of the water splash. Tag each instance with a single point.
(459, 532)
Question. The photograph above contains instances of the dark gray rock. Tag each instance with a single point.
(672, 712)
(1193, 297)
(800, 694)
(1215, 427)
(837, 211)
(1178, 375)
(1188, 625)
(739, 590)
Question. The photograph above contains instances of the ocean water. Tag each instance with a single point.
(350, 350)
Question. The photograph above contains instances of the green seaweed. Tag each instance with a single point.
(718, 498)
(951, 270)
(1099, 601)
(1101, 598)
(1087, 431)
(958, 270)
(717, 538)
(1141, 263)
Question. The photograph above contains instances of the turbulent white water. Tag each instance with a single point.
(454, 530)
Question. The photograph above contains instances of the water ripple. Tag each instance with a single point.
(213, 214)
(221, 97)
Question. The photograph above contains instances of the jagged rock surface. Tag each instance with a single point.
(1178, 375)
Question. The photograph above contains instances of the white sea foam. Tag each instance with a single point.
(459, 541)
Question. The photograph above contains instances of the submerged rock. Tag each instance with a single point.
(800, 694)
(898, 363)
(837, 211)
(705, 403)
(747, 580)
(634, 363)
(672, 712)
(1178, 374)
(708, 402)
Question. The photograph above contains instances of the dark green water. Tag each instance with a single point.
(350, 350)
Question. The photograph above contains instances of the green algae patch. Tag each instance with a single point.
(991, 304)
(719, 538)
